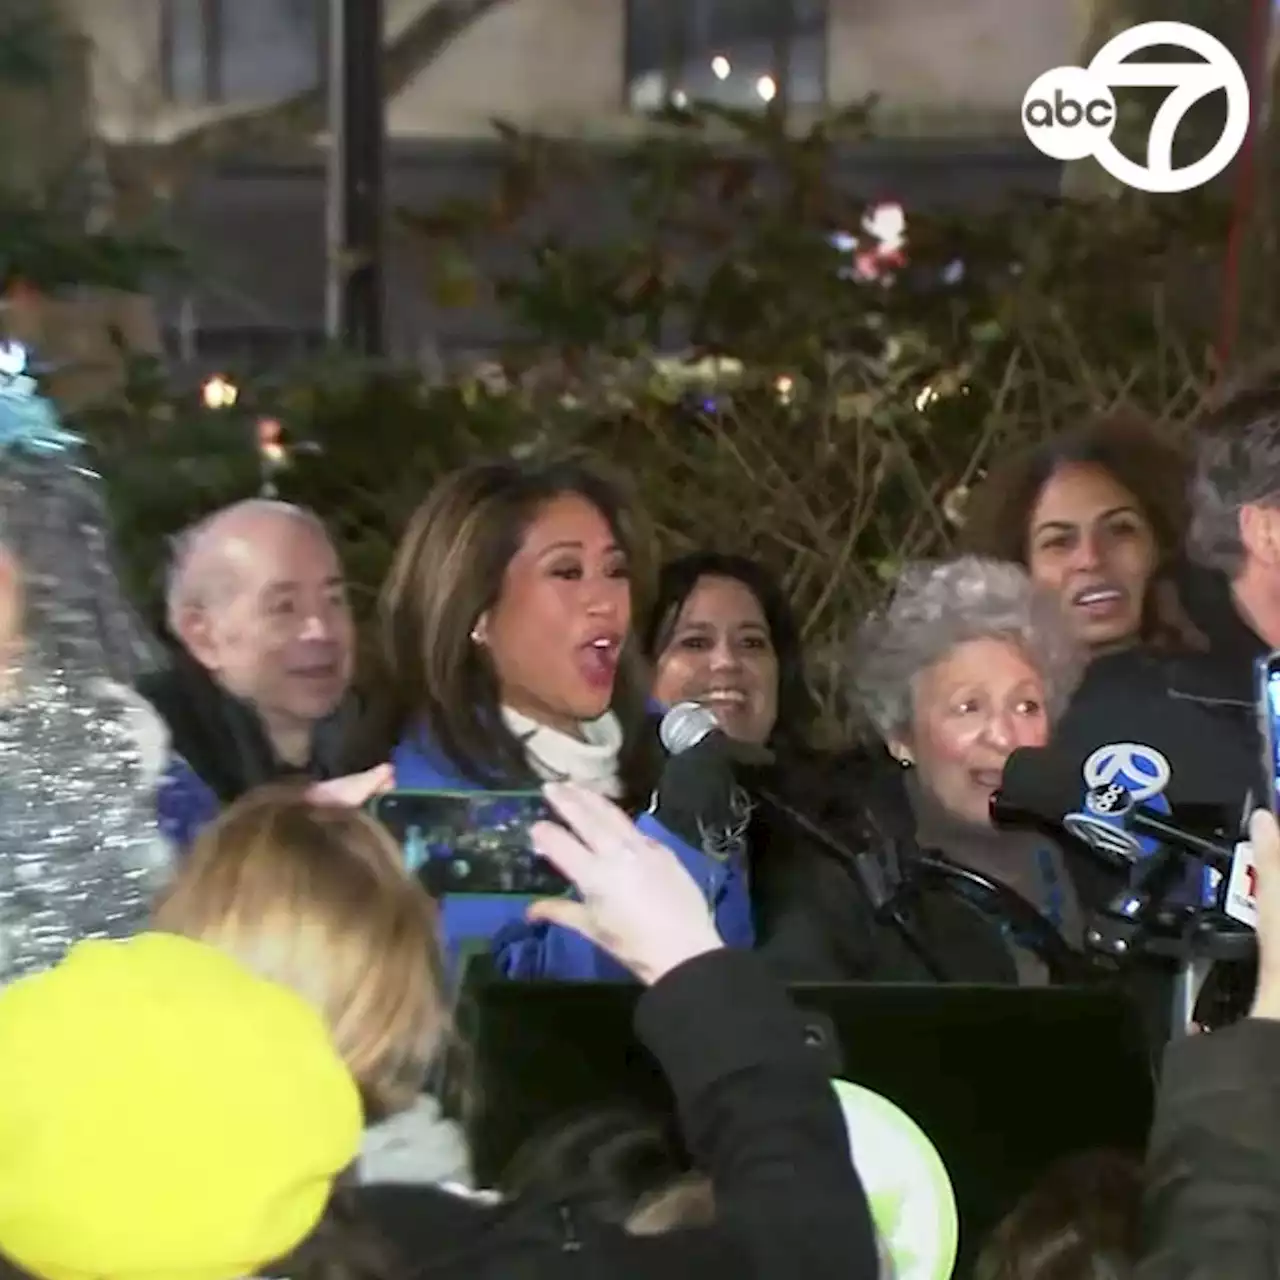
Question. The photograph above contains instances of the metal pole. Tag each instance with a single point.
(357, 148)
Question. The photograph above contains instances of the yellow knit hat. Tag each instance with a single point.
(164, 1113)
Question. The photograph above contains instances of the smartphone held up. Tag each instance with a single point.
(469, 843)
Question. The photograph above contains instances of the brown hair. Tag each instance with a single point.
(1081, 1221)
(316, 897)
(688, 1202)
(447, 571)
(1142, 457)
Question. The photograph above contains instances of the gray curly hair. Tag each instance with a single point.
(938, 606)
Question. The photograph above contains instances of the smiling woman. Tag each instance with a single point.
(1097, 517)
(721, 633)
(967, 663)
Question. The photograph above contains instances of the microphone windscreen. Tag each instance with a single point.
(1040, 783)
(684, 726)
(689, 723)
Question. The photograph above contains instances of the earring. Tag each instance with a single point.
(476, 637)
(904, 761)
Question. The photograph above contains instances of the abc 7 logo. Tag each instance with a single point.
(1109, 799)
(1069, 113)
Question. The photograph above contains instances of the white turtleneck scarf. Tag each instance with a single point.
(590, 761)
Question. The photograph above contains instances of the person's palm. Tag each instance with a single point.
(637, 902)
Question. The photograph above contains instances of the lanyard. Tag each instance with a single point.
(1054, 899)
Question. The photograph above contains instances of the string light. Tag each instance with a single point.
(219, 393)
(13, 359)
(720, 67)
(269, 445)
(767, 88)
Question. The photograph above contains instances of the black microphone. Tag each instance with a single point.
(1043, 788)
(1037, 788)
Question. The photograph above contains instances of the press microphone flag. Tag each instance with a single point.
(1116, 778)
(1042, 787)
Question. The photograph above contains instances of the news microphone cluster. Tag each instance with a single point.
(1173, 873)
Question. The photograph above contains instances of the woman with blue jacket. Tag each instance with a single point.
(506, 661)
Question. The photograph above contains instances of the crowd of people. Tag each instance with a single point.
(218, 967)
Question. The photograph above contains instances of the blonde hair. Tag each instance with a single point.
(687, 1202)
(316, 897)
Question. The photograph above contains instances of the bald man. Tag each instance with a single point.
(258, 610)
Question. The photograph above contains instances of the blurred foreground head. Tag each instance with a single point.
(164, 1112)
(1081, 1221)
(316, 898)
(80, 754)
(61, 600)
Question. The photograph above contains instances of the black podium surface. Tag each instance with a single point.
(1004, 1080)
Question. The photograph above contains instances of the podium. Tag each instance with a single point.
(1004, 1080)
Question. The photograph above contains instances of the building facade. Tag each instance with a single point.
(163, 66)
(948, 75)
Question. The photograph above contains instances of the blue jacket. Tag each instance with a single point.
(185, 803)
(524, 950)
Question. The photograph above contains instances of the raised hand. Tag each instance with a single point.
(637, 902)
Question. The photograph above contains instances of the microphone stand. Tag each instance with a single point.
(869, 878)
(1140, 921)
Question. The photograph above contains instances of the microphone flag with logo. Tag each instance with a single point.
(1117, 777)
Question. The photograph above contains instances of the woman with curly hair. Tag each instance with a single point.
(1097, 517)
(967, 663)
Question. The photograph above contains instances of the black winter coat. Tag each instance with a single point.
(758, 1115)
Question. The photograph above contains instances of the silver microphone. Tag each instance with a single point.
(689, 723)
(685, 725)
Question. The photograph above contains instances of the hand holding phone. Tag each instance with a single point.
(1267, 694)
(473, 842)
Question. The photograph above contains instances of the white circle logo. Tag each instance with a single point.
(1141, 770)
(1069, 113)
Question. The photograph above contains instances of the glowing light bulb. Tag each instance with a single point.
(13, 359)
(925, 398)
(720, 67)
(680, 99)
(219, 392)
(767, 88)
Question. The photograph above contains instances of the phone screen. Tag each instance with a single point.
(1269, 723)
(471, 842)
